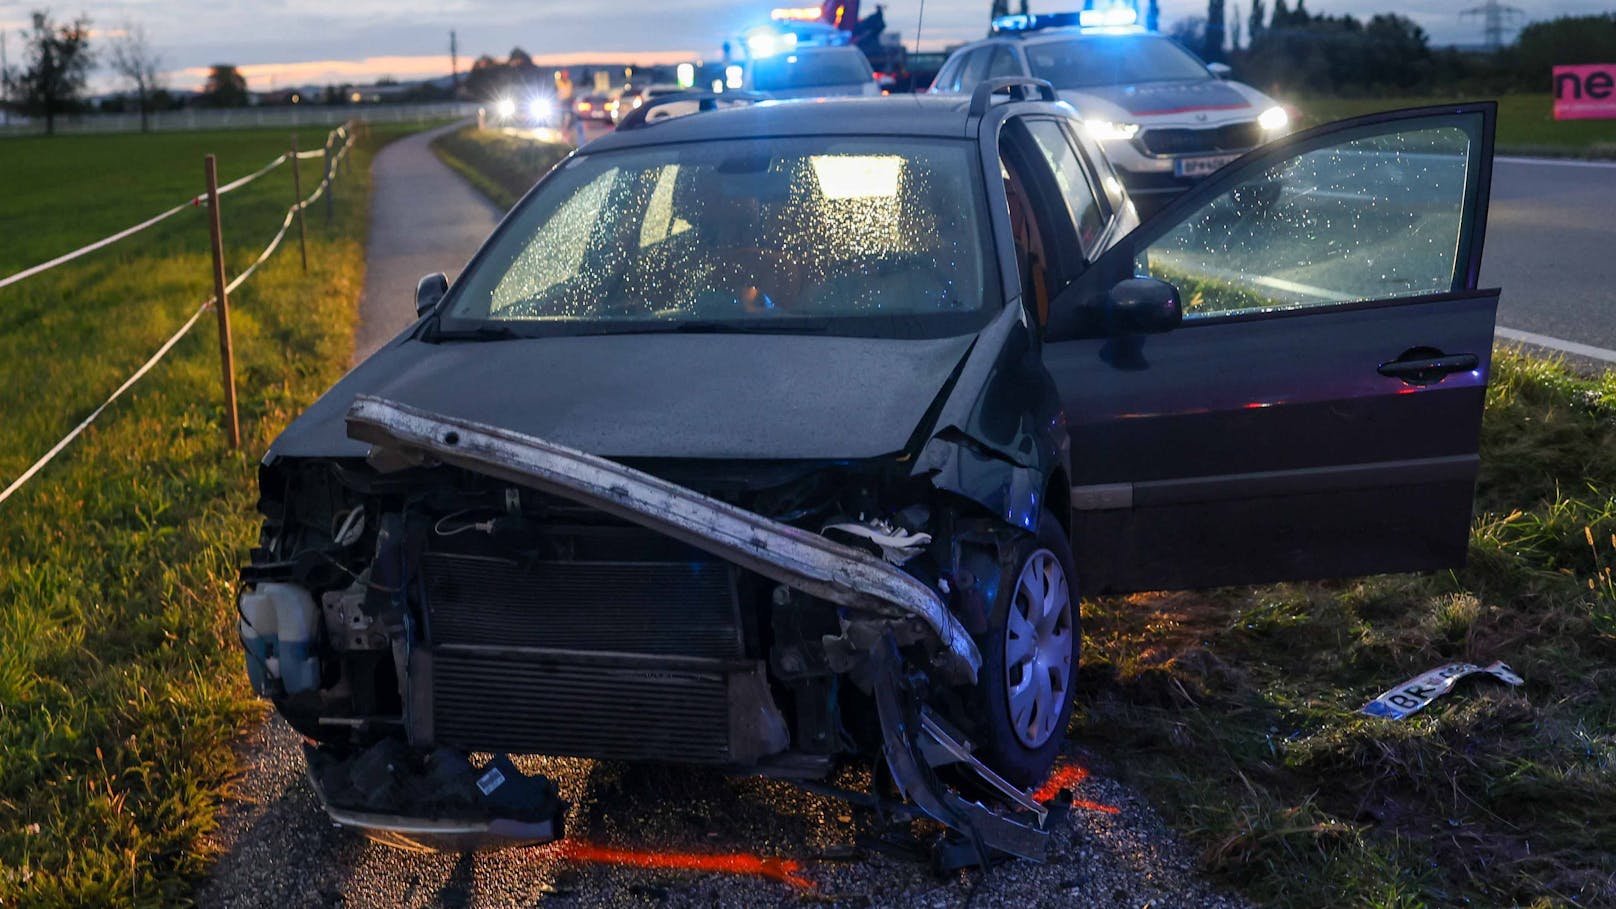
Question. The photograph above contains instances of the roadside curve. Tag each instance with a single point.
(424, 218)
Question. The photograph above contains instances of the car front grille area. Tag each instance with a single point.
(1234, 137)
(618, 660)
(665, 608)
(535, 706)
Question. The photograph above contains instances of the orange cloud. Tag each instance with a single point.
(264, 76)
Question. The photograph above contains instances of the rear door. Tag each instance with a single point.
(1317, 413)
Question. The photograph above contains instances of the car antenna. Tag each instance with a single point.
(919, 21)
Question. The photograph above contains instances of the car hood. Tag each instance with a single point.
(1164, 99)
(730, 397)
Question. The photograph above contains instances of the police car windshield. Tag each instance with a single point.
(1093, 60)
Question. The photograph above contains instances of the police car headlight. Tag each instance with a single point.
(541, 109)
(1107, 129)
(505, 108)
(1274, 119)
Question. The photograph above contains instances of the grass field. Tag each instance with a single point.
(502, 165)
(121, 690)
(1234, 709)
(1526, 124)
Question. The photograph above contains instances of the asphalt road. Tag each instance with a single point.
(1551, 246)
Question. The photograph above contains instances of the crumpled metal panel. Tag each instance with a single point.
(785, 554)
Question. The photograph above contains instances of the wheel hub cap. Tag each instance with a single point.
(1038, 648)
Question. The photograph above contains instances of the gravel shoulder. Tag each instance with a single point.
(277, 848)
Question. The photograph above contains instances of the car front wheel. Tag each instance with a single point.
(1029, 658)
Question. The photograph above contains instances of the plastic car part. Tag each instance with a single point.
(903, 725)
(784, 554)
(435, 801)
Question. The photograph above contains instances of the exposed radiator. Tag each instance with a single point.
(667, 608)
(519, 705)
(615, 660)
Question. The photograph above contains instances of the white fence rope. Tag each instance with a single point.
(185, 329)
(131, 231)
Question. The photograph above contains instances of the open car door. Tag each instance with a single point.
(1317, 411)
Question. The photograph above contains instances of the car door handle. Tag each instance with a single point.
(1427, 367)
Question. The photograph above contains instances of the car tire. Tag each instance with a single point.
(1019, 734)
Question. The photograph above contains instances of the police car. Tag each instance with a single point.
(1165, 117)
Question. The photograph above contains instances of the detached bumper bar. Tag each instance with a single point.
(785, 554)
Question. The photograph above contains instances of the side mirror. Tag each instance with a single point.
(428, 291)
(1221, 70)
(1143, 306)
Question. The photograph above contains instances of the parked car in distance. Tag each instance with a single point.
(783, 435)
(1165, 118)
(592, 107)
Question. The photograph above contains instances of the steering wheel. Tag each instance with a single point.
(750, 272)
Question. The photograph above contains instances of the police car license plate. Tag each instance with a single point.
(1200, 167)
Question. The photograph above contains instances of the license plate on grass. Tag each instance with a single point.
(1200, 167)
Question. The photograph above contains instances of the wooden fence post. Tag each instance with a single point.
(221, 304)
(330, 187)
(297, 200)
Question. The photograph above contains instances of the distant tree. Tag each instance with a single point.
(1189, 31)
(140, 65)
(1568, 40)
(226, 87)
(1256, 24)
(1282, 15)
(1212, 45)
(56, 63)
(1153, 15)
(1234, 28)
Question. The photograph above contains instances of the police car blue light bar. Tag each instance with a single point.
(1111, 17)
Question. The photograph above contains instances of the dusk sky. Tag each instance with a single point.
(295, 42)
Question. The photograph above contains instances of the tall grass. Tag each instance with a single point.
(502, 165)
(120, 687)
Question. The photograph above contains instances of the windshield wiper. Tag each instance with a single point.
(480, 333)
(751, 327)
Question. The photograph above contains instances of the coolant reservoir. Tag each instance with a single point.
(277, 629)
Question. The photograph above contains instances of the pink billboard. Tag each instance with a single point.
(1585, 92)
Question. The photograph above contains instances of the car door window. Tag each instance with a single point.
(1081, 204)
(976, 67)
(1003, 63)
(1371, 218)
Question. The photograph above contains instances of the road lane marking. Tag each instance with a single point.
(1570, 347)
(1556, 162)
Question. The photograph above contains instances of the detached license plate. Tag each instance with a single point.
(1200, 167)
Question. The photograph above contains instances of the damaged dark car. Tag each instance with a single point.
(781, 436)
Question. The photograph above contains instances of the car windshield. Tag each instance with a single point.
(1113, 60)
(810, 69)
(843, 235)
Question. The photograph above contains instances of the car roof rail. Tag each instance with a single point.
(705, 101)
(1019, 87)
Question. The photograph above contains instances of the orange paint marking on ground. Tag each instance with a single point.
(786, 871)
(1067, 776)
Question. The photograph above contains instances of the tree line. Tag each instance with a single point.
(1294, 49)
(58, 58)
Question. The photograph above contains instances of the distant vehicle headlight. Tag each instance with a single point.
(540, 109)
(1274, 119)
(1106, 129)
(505, 108)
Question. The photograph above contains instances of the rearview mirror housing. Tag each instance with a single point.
(1143, 306)
(1221, 70)
(429, 291)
